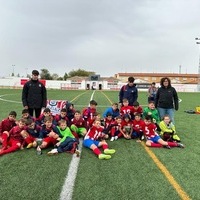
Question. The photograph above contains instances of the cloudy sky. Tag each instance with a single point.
(104, 36)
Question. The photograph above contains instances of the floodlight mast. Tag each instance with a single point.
(198, 83)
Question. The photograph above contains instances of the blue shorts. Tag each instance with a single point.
(155, 138)
(88, 142)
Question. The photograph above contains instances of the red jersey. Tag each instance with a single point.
(116, 126)
(125, 123)
(137, 110)
(15, 133)
(107, 122)
(137, 125)
(149, 130)
(79, 123)
(58, 117)
(95, 133)
(6, 125)
(126, 110)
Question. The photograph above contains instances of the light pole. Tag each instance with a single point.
(13, 70)
(198, 83)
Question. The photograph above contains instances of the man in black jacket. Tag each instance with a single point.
(34, 95)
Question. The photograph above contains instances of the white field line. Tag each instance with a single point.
(67, 189)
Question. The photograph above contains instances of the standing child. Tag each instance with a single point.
(95, 139)
(153, 139)
(67, 141)
(13, 140)
(168, 131)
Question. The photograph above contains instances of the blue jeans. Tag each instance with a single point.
(165, 111)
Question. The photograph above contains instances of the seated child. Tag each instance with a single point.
(153, 139)
(8, 123)
(136, 109)
(40, 119)
(108, 121)
(62, 115)
(168, 131)
(78, 124)
(116, 129)
(153, 112)
(26, 115)
(31, 133)
(127, 126)
(70, 111)
(113, 110)
(67, 141)
(49, 134)
(13, 140)
(137, 128)
(95, 139)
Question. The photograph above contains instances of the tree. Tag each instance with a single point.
(45, 74)
(65, 76)
(80, 72)
(55, 76)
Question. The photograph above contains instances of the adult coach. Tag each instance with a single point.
(129, 91)
(34, 96)
(166, 99)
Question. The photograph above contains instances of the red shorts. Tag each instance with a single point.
(50, 141)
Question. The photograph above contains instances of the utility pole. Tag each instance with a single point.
(198, 82)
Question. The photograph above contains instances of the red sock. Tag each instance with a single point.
(97, 151)
(156, 145)
(105, 146)
(4, 140)
(75, 135)
(11, 149)
(172, 144)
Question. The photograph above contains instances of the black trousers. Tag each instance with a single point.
(37, 111)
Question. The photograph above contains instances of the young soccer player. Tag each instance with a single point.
(95, 139)
(31, 133)
(126, 109)
(136, 109)
(127, 126)
(26, 115)
(62, 115)
(108, 121)
(49, 134)
(153, 139)
(168, 131)
(153, 112)
(13, 140)
(88, 113)
(78, 124)
(67, 141)
(40, 120)
(7, 124)
(138, 123)
(70, 111)
(113, 110)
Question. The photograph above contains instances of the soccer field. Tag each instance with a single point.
(134, 172)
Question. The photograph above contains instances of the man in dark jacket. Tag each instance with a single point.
(129, 92)
(34, 96)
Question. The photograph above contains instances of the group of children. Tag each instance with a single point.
(62, 132)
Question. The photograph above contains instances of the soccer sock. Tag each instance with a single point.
(156, 145)
(97, 151)
(11, 149)
(172, 144)
(4, 140)
(105, 146)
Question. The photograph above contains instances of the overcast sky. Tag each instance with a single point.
(104, 36)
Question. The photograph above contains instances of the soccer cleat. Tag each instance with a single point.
(52, 152)
(176, 138)
(109, 151)
(180, 145)
(167, 147)
(29, 145)
(116, 137)
(112, 139)
(104, 156)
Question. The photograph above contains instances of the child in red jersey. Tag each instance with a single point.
(136, 109)
(138, 123)
(7, 124)
(127, 126)
(153, 139)
(78, 124)
(116, 130)
(108, 121)
(31, 133)
(26, 115)
(126, 109)
(40, 119)
(95, 139)
(88, 113)
(62, 115)
(13, 140)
